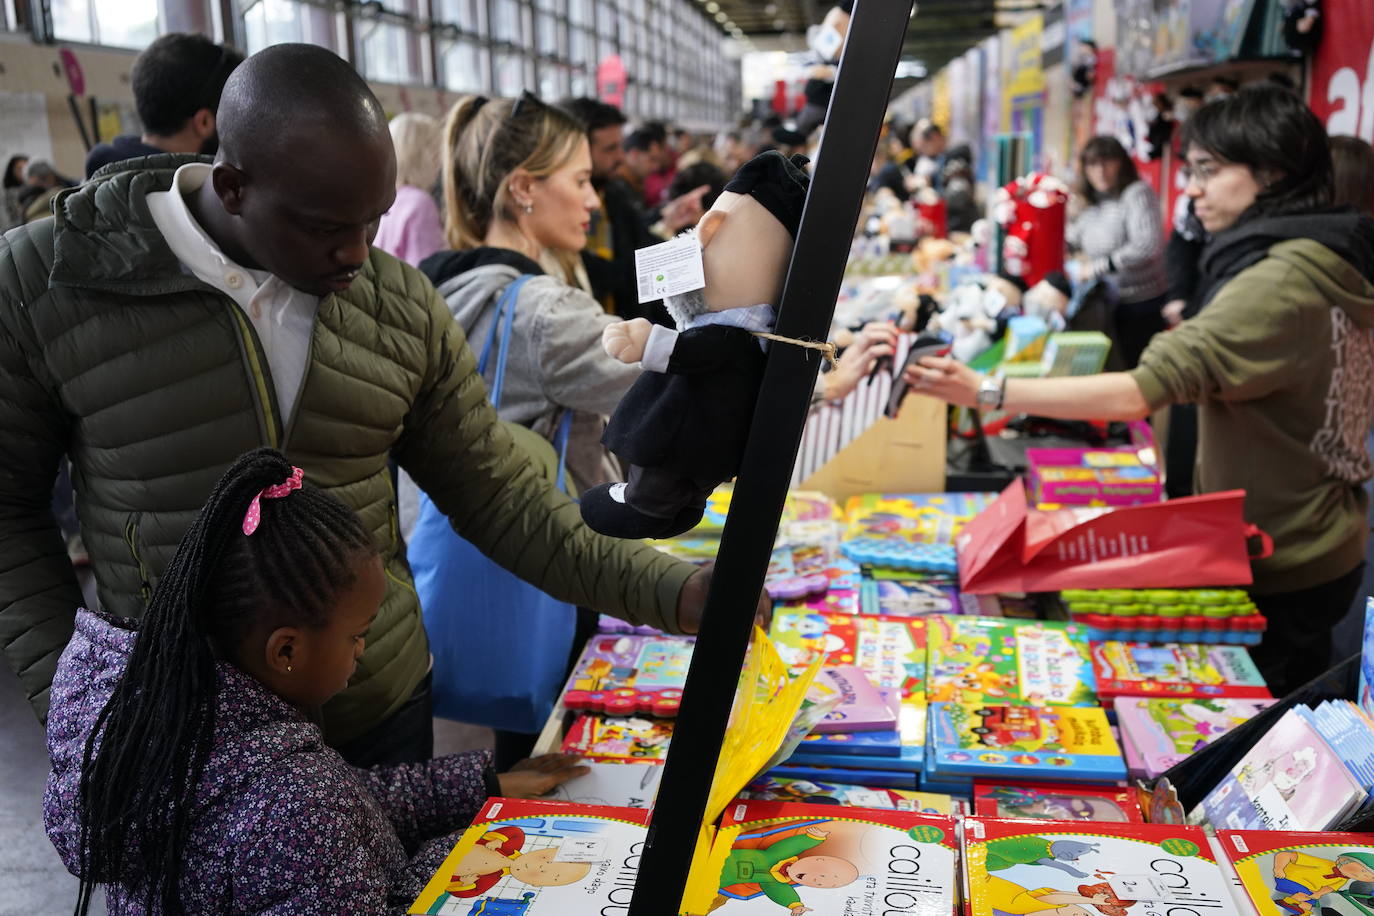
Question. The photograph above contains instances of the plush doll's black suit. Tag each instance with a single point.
(683, 431)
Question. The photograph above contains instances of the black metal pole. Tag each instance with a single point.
(860, 98)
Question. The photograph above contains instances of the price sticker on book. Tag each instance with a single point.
(581, 849)
(669, 269)
(1137, 887)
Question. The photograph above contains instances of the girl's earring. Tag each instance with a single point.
(288, 669)
(529, 208)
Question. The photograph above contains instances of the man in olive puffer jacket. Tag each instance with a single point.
(174, 315)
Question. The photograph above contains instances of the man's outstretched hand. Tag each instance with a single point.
(691, 601)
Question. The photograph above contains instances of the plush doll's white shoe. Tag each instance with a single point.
(605, 511)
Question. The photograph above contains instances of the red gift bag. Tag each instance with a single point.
(1184, 543)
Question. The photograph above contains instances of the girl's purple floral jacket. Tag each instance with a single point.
(283, 825)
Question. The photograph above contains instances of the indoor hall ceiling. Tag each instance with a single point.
(940, 31)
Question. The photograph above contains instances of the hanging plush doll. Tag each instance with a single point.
(682, 427)
(1302, 25)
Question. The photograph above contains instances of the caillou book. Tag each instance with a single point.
(781, 858)
(989, 660)
(1296, 874)
(534, 858)
(1055, 742)
(1046, 868)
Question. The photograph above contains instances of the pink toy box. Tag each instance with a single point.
(1125, 476)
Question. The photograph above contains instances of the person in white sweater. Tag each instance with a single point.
(1119, 237)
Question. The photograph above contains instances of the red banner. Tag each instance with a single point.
(1342, 92)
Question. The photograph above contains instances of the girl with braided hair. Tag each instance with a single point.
(187, 775)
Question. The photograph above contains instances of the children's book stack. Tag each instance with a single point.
(910, 531)
(1048, 868)
(1156, 734)
(884, 654)
(1126, 669)
(1053, 742)
(1308, 772)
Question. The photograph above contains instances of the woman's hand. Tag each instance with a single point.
(947, 379)
(536, 776)
(874, 341)
(1173, 312)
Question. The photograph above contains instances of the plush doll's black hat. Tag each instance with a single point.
(776, 182)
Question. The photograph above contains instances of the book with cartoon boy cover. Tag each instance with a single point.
(1287, 873)
(1052, 742)
(1290, 780)
(539, 858)
(783, 858)
(990, 660)
(1157, 733)
(1137, 669)
(1047, 868)
(1056, 801)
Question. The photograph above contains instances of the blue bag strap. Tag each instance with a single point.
(504, 318)
(560, 444)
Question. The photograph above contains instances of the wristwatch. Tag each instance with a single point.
(992, 391)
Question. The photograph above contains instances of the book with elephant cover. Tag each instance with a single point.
(1284, 873)
(1047, 868)
(524, 857)
(785, 858)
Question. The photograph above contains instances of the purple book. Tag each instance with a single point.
(1157, 733)
(863, 708)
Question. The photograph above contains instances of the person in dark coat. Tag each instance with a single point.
(683, 425)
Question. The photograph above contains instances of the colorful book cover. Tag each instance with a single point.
(1047, 868)
(986, 660)
(908, 759)
(861, 708)
(632, 739)
(910, 731)
(886, 597)
(1289, 780)
(1286, 873)
(779, 858)
(626, 674)
(909, 531)
(1176, 670)
(775, 788)
(1367, 660)
(537, 858)
(1056, 802)
(1060, 742)
(891, 651)
(1350, 734)
(1160, 732)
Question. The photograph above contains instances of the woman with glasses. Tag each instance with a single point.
(1280, 364)
(1119, 238)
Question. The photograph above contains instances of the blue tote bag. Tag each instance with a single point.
(500, 645)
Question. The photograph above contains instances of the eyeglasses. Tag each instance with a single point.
(1201, 174)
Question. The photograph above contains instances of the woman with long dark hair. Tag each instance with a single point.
(1280, 364)
(1119, 238)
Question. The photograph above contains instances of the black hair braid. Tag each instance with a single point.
(148, 748)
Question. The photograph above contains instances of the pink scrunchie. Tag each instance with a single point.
(253, 517)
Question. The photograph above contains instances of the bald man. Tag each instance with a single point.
(175, 315)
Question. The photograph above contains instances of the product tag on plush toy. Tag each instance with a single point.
(669, 269)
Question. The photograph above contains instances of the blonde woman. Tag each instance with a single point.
(411, 229)
(518, 193)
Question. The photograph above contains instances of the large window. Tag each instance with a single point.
(273, 22)
(671, 49)
(127, 24)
